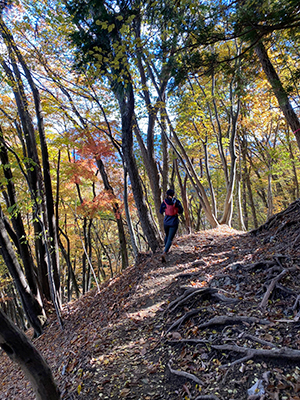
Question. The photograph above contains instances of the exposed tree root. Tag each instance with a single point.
(179, 321)
(184, 374)
(287, 290)
(260, 265)
(283, 353)
(273, 283)
(238, 319)
(220, 297)
(295, 241)
(189, 341)
(203, 341)
(191, 292)
(258, 340)
(297, 302)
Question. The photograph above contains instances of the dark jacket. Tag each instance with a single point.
(171, 220)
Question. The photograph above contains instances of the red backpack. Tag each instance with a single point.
(171, 210)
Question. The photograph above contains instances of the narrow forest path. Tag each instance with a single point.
(218, 317)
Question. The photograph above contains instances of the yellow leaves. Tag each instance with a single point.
(111, 27)
(104, 25)
(130, 19)
(79, 388)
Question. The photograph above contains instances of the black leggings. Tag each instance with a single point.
(170, 233)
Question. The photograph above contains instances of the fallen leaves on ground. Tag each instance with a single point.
(220, 318)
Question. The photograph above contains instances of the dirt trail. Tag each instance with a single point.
(201, 326)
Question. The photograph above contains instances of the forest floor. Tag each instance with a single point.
(218, 320)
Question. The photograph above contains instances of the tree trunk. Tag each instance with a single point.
(22, 244)
(32, 166)
(151, 169)
(193, 176)
(152, 109)
(32, 307)
(41, 185)
(126, 104)
(71, 276)
(128, 217)
(270, 196)
(228, 207)
(279, 91)
(21, 351)
(165, 154)
(117, 213)
(208, 174)
(238, 193)
(183, 198)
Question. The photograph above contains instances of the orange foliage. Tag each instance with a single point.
(103, 202)
(80, 171)
(91, 144)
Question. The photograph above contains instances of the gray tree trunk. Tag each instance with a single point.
(279, 91)
(125, 99)
(32, 308)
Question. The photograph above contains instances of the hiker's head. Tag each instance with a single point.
(170, 193)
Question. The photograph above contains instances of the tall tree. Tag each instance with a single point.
(99, 44)
(38, 177)
(19, 229)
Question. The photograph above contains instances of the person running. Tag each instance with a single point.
(171, 207)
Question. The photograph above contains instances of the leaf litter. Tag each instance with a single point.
(218, 320)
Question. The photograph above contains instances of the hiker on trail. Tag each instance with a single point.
(171, 207)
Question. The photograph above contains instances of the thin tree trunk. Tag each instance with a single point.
(270, 196)
(238, 192)
(71, 275)
(228, 207)
(117, 213)
(128, 217)
(32, 167)
(165, 154)
(47, 194)
(126, 104)
(207, 169)
(31, 306)
(184, 199)
(193, 176)
(279, 91)
(22, 244)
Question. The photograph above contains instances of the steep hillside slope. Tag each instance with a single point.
(220, 318)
